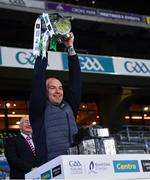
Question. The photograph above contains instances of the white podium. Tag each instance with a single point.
(105, 167)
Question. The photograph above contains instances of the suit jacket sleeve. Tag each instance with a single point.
(37, 105)
(38, 92)
(74, 85)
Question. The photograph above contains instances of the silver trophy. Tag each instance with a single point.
(47, 25)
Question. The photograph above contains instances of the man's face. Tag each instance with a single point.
(25, 125)
(54, 91)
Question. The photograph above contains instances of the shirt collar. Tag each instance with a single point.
(25, 136)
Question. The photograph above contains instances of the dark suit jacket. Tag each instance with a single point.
(19, 156)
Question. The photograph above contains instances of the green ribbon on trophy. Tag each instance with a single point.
(53, 27)
(53, 43)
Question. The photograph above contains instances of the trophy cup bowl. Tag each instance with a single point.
(53, 26)
(62, 27)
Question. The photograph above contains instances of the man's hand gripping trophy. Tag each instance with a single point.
(50, 29)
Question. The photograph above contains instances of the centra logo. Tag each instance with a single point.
(126, 166)
(46, 175)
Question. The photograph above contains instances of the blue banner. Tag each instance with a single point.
(92, 63)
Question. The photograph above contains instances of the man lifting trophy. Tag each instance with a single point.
(52, 112)
(55, 27)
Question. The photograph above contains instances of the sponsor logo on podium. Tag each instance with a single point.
(146, 165)
(125, 166)
(56, 171)
(75, 167)
(46, 175)
(97, 167)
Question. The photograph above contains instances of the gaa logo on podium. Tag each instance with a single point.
(74, 164)
(75, 167)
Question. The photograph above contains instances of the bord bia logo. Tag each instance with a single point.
(92, 168)
(95, 167)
